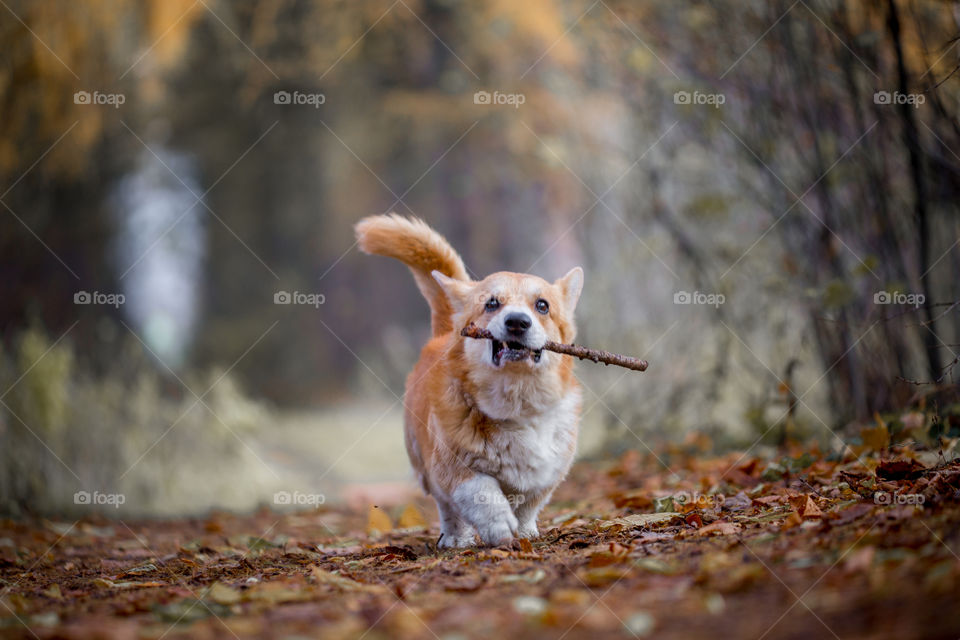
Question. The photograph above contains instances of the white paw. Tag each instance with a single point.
(448, 541)
(529, 531)
(499, 531)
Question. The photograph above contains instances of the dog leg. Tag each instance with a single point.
(480, 501)
(456, 532)
(527, 512)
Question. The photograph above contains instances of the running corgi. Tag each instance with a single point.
(490, 425)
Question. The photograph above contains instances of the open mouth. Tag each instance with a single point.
(512, 352)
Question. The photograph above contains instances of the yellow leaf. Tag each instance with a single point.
(411, 518)
(53, 591)
(876, 438)
(378, 521)
(641, 520)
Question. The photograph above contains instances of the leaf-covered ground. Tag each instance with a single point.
(801, 546)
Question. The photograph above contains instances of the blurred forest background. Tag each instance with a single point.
(794, 164)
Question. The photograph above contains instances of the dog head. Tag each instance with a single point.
(521, 311)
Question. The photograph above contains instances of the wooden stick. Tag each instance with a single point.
(594, 355)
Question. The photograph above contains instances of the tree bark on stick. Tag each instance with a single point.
(594, 355)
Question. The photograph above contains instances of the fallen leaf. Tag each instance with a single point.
(222, 594)
(601, 576)
(106, 583)
(899, 469)
(791, 521)
(876, 438)
(853, 512)
(464, 584)
(53, 591)
(632, 500)
(378, 522)
(531, 577)
(322, 576)
(411, 518)
(720, 528)
(805, 506)
(641, 520)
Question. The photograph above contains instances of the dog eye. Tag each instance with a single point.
(492, 304)
(543, 306)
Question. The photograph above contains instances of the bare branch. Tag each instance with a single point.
(594, 355)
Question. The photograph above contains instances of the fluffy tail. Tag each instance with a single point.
(414, 243)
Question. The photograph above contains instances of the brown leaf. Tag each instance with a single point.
(719, 528)
(899, 469)
(791, 521)
(805, 505)
(106, 583)
(636, 500)
(852, 513)
(343, 583)
(464, 584)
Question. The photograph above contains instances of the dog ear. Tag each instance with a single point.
(457, 291)
(571, 285)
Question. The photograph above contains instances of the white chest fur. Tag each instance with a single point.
(534, 453)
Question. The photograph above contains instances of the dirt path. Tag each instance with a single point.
(799, 547)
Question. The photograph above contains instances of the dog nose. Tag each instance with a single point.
(517, 323)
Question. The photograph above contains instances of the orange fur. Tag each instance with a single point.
(470, 422)
(415, 244)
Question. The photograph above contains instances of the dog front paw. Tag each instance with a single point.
(528, 530)
(449, 541)
(500, 531)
